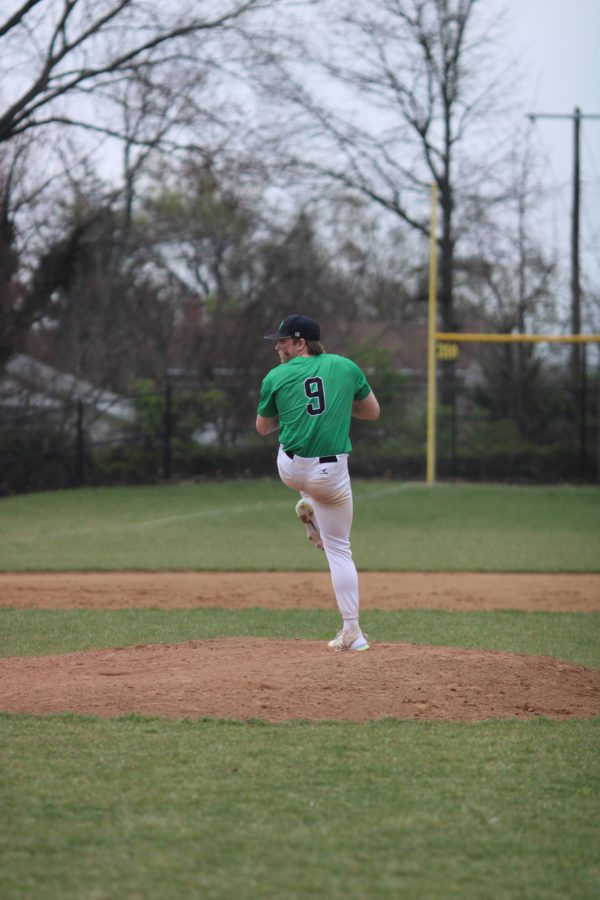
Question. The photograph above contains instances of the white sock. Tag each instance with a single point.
(350, 623)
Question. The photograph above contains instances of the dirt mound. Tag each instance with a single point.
(278, 680)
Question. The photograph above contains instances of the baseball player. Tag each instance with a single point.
(311, 398)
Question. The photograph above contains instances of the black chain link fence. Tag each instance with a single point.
(207, 431)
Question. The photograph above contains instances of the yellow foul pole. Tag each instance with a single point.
(431, 340)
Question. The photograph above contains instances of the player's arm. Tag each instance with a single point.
(367, 408)
(266, 425)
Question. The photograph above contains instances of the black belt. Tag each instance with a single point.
(322, 459)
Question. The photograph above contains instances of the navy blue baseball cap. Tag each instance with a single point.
(297, 326)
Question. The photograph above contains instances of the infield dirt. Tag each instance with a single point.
(279, 680)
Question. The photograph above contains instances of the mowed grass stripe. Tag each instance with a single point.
(568, 636)
(250, 525)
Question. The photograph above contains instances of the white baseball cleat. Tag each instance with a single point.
(352, 639)
(306, 514)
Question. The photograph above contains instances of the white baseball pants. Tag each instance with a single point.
(327, 486)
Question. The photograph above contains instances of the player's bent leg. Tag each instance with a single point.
(306, 513)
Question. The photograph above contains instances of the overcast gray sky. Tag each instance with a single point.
(559, 44)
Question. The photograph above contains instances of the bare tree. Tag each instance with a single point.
(510, 280)
(58, 54)
(398, 95)
(145, 77)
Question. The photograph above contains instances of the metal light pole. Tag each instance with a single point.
(576, 116)
(575, 279)
(431, 341)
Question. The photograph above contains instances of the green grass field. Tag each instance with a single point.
(140, 807)
(569, 636)
(250, 525)
(146, 808)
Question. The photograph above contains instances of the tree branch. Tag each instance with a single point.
(51, 84)
(18, 17)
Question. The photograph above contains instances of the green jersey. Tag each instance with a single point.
(313, 396)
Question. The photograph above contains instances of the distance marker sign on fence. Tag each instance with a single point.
(447, 350)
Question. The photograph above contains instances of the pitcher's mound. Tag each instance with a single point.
(278, 680)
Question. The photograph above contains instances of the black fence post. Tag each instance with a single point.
(80, 445)
(583, 415)
(454, 424)
(598, 418)
(167, 433)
